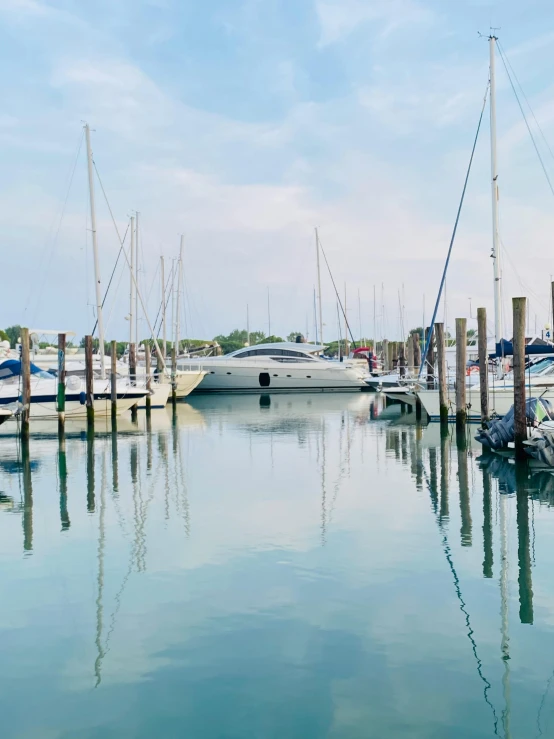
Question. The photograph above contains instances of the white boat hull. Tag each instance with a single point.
(267, 375)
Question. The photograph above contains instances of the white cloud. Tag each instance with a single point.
(339, 18)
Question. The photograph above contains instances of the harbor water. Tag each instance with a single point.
(273, 567)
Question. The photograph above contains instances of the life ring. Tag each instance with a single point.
(471, 370)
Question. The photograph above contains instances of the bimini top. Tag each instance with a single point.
(282, 348)
(12, 368)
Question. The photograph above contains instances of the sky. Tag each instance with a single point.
(245, 124)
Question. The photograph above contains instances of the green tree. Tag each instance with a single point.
(3, 335)
(270, 340)
(13, 333)
(293, 334)
(237, 339)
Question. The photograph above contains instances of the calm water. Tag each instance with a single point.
(295, 566)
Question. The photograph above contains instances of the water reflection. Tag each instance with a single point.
(243, 542)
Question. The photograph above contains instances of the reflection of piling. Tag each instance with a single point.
(433, 481)
(113, 380)
(483, 363)
(444, 510)
(441, 362)
(520, 423)
(27, 495)
(25, 383)
(463, 479)
(90, 471)
(62, 475)
(61, 383)
(115, 474)
(89, 389)
(461, 361)
(523, 549)
(487, 525)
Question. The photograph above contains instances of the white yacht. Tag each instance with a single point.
(288, 366)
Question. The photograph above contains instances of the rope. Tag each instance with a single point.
(337, 294)
(432, 325)
(526, 121)
(112, 275)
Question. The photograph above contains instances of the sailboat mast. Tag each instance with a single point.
(178, 308)
(268, 314)
(494, 192)
(346, 347)
(99, 316)
(132, 288)
(164, 329)
(247, 325)
(374, 321)
(319, 287)
(136, 276)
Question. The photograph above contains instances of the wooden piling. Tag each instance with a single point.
(390, 355)
(133, 374)
(402, 359)
(113, 378)
(483, 363)
(410, 355)
(520, 423)
(147, 358)
(89, 383)
(417, 352)
(386, 366)
(174, 374)
(61, 383)
(430, 359)
(441, 362)
(461, 361)
(25, 382)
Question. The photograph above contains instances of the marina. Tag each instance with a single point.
(278, 461)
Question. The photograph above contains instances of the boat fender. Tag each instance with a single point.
(82, 398)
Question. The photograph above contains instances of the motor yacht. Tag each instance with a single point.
(283, 366)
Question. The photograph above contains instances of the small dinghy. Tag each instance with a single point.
(499, 434)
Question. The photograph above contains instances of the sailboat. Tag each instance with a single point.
(501, 389)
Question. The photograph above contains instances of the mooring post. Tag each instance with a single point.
(410, 355)
(441, 362)
(417, 352)
(61, 383)
(520, 423)
(391, 351)
(133, 374)
(89, 384)
(402, 359)
(174, 374)
(147, 358)
(113, 378)
(483, 363)
(461, 362)
(385, 352)
(25, 382)
(430, 359)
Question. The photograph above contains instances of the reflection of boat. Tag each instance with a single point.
(283, 366)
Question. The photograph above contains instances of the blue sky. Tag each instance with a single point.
(245, 123)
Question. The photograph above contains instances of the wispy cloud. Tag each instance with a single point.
(339, 18)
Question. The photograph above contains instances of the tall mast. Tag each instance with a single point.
(360, 317)
(179, 279)
(247, 326)
(374, 321)
(136, 276)
(173, 301)
(164, 330)
(494, 192)
(268, 314)
(99, 316)
(346, 348)
(319, 288)
(132, 287)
